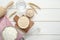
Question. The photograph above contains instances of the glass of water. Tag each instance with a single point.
(21, 7)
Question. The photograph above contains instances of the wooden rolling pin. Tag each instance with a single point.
(3, 10)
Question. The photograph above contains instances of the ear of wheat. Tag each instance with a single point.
(32, 4)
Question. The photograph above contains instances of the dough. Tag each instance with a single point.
(23, 22)
(30, 13)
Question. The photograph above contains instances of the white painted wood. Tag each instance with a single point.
(40, 3)
(43, 37)
(47, 15)
(50, 3)
(46, 3)
(44, 28)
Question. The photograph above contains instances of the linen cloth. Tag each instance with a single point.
(4, 22)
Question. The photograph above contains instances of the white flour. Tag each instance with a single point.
(9, 33)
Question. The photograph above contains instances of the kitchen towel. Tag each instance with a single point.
(4, 22)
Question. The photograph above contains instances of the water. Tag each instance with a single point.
(21, 7)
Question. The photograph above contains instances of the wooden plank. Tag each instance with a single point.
(40, 3)
(47, 15)
(46, 3)
(43, 37)
(44, 28)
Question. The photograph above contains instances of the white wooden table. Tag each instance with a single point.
(47, 21)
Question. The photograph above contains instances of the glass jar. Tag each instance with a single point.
(21, 7)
